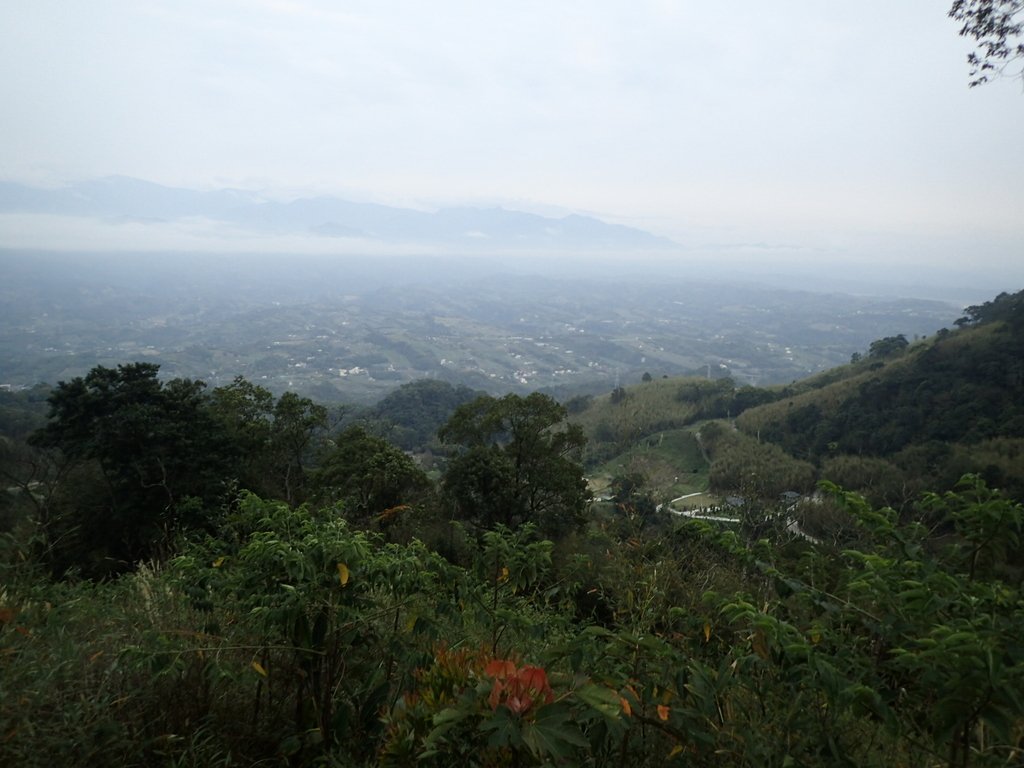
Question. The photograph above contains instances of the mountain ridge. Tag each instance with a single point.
(123, 198)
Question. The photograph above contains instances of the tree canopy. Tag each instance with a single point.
(415, 411)
(153, 445)
(996, 27)
(516, 461)
(147, 458)
(368, 475)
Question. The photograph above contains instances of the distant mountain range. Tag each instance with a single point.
(124, 199)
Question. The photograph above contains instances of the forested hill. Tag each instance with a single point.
(914, 404)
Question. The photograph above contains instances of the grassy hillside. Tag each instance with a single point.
(671, 464)
(916, 418)
(636, 411)
(903, 418)
(644, 431)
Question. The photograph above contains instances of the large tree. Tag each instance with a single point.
(368, 475)
(516, 461)
(142, 448)
(245, 413)
(272, 442)
(298, 421)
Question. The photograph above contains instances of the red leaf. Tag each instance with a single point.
(534, 677)
(500, 669)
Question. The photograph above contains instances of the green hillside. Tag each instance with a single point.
(920, 416)
(900, 419)
(197, 576)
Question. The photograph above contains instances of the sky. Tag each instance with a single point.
(798, 128)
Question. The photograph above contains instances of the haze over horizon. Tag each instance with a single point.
(796, 136)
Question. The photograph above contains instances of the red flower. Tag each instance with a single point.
(518, 689)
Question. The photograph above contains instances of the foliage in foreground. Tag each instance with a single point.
(288, 638)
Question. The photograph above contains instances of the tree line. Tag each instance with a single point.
(128, 462)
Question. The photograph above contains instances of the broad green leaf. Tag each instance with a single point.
(604, 700)
(553, 733)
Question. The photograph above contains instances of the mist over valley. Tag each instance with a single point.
(352, 328)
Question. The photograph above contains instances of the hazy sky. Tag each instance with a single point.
(796, 124)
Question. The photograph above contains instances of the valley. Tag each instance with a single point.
(347, 331)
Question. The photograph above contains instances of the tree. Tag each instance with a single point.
(888, 347)
(516, 462)
(297, 420)
(633, 498)
(368, 475)
(881, 482)
(996, 26)
(578, 404)
(143, 448)
(271, 443)
(1006, 307)
(245, 413)
(750, 397)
